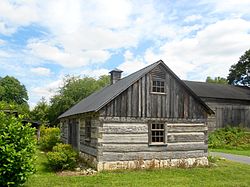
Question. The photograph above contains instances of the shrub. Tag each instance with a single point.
(229, 137)
(49, 138)
(62, 157)
(17, 149)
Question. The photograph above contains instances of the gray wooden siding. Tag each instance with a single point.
(130, 141)
(228, 114)
(139, 101)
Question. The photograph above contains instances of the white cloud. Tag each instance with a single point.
(109, 26)
(96, 73)
(47, 91)
(216, 47)
(4, 54)
(41, 71)
(192, 18)
(111, 14)
(15, 14)
(64, 58)
(131, 63)
(210, 52)
(232, 6)
(2, 42)
(85, 31)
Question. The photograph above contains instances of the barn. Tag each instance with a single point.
(148, 119)
(231, 104)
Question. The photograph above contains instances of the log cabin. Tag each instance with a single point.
(150, 118)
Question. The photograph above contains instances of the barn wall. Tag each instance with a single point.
(139, 101)
(228, 112)
(127, 140)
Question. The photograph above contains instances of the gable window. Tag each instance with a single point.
(157, 133)
(158, 86)
(88, 130)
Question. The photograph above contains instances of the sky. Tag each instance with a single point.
(43, 41)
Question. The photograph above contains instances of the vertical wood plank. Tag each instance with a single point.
(139, 98)
(148, 100)
(159, 104)
(129, 102)
(143, 95)
(115, 101)
(135, 100)
(168, 96)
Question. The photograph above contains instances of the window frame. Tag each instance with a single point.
(164, 129)
(160, 86)
(88, 130)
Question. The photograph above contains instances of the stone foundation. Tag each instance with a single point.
(146, 164)
(89, 159)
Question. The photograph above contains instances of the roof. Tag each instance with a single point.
(220, 91)
(99, 99)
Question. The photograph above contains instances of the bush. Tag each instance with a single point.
(62, 157)
(17, 149)
(49, 138)
(229, 137)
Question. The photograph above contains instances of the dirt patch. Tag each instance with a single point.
(86, 172)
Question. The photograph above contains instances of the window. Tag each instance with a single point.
(88, 129)
(158, 86)
(157, 133)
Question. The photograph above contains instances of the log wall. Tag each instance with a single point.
(64, 130)
(130, 141)
(89, 146)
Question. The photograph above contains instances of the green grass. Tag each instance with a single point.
(232, 151)
(225, 174)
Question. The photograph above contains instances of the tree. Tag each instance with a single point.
(17, 149)
(103, 81)
(12, 106)
(74, 90)
(217, 80)
(11, 90)
(239, 69)
(41, 112)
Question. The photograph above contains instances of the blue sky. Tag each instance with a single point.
(42, 41)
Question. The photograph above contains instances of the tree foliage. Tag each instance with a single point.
(239, 69)
(74, 90)
(11, 90)
(12, 106)
(17, 148)
(41, 112)
(217, 80)
(49, 138)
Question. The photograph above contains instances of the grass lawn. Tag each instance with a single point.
(232, 151)
(225, 174)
